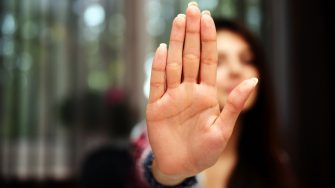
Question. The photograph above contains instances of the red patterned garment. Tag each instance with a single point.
(141, 148)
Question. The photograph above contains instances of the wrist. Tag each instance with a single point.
(161, 180)
(165, 179)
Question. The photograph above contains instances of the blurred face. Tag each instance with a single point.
(235, 65)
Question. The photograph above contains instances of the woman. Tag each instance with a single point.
(199, 86)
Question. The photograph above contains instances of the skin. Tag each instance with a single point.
(234, 66)
(186, 128)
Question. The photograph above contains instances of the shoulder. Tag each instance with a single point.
(141, 149)
(138, 129)
(139, 139)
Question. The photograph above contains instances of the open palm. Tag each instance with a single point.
(186, 129)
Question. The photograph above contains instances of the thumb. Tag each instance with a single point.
(234, 106)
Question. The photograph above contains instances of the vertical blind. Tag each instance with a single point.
(51, 50)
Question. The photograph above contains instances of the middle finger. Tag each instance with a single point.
(191, 54)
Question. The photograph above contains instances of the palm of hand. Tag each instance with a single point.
(186, 129)
(181, 126)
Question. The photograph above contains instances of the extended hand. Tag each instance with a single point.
(187, 131)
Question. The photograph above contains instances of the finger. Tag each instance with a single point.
(234, 105)
(175, 52)
(209, 57)
(157, 80)
(191, 55)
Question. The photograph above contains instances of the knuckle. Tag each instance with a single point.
(157, 69)
(191, 58)
(173, 66)
(172, 84)
(208, 60)
(233, 103)
(156, 84)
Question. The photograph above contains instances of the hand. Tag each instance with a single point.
(186, 129)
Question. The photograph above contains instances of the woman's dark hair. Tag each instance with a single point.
(259, 163)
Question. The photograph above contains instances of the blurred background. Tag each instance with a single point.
(74, 77)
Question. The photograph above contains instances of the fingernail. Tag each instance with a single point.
(254, 81)
(181, 15)
(248, 84)
(206, 12)
(192, 3)
(162, 45)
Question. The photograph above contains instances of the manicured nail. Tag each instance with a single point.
(254, 81)
(181, 15)
(192, 3)
(206, 12)
(162, 45)
(248, 84)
